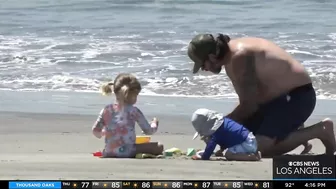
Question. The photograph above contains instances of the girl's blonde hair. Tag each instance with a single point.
(125, 86)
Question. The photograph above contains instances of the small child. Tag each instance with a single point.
(117, 121)
(215, 129)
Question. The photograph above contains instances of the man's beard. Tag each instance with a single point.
(217, 70)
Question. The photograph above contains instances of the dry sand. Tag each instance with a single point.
(55, 146)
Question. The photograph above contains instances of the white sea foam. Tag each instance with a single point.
(35, 63)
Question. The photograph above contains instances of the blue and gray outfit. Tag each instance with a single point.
(222, 131)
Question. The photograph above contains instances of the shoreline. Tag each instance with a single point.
(81, 103)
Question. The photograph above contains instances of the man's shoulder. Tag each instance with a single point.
(242, 53)
(248, 45)
(240, 57)
(249, 39)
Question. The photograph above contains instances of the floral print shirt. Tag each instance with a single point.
(117, 124)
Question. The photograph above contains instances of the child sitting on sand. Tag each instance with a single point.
(117, 121)
(215, 129)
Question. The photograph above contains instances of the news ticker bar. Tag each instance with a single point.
(266, 184)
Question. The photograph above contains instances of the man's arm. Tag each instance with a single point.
(246, 85)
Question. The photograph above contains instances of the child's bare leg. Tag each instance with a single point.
(242, 156)
(219, 153)
(307, 146)
(153, 148)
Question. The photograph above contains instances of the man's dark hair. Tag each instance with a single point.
(202, 45)
(222, 45)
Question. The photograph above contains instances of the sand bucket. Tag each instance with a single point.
(142, 139)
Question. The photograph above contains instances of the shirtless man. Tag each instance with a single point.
(275, 92)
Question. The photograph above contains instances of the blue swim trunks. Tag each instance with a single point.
(283, 115)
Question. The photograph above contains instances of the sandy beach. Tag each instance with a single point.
(50, 145)
(54, 56)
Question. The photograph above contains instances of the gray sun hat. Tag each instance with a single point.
(206, 122)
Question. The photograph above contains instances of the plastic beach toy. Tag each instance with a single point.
(97, 154)
(172, 151)
(142, 139)
(191, 152)
(144, 156)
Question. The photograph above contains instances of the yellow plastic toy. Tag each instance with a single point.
(142, 139)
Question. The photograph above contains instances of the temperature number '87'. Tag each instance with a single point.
(205, 184)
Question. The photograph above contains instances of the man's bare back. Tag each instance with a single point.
(277, 71)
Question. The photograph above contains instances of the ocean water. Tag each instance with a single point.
(76, 45)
